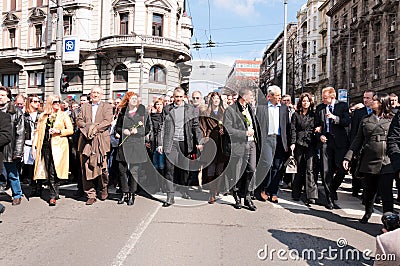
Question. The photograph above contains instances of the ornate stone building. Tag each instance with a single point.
(124, 44)
(365, 46)
(272, 62)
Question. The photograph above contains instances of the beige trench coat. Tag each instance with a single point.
(59, 146)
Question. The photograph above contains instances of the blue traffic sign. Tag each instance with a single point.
(69, 46)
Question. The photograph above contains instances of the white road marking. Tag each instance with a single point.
(134, 238)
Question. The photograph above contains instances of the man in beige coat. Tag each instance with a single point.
(94, 121)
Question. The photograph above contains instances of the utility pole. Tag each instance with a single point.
(284, 48)
(348, 65)
(57, 62)
(141, 68)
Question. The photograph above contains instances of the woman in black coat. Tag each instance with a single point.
(375, 165)
(132, 126)
(303, 145)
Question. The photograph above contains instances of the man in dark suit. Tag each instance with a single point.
(273, 118)
(332, 118)
(243, 130)
(94, 121)
(179, 135)
(355, 124)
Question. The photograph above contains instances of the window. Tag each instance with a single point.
(314, 47)
(121, 74)
(36, 79)
(75, 76)
(39, 2)
(67, 25)
(157, 75)
(38, 36)
(124, 19)
(13, 5)
(157, 25)
(315, 23)
(12, 37)
(314, 67)
(392, 62)
(365, 6)
(10, 80)
(377, 64)
(377, 33)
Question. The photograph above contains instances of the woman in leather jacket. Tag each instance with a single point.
(303, 145)
(375, 165)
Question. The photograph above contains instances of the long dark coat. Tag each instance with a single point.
(133, 149)
(372, 135)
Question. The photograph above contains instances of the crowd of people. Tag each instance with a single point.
(233, 144)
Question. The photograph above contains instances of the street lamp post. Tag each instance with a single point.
(57, 62)
(284, 48)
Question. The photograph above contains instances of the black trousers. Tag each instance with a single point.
(331, 159)
(242, 171)
(305, 173)
(53, 180)
(382, 183)
(177, 163)
(271, 185)
(128, 180)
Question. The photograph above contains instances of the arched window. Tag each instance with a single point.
(157, 75)
(121, 73)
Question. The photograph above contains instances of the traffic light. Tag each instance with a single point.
(64, 83)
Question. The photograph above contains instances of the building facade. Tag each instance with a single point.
(365, 46)
(272, 62)
(243, 73)
(124, 44)
(311, 47)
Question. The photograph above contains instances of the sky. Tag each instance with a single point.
(241, 29)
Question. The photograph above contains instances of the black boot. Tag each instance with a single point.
(237, 204)
(170, 200)
(249, 203)
(124, 197)
(131, 199)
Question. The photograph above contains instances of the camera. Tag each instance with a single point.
(391, 221)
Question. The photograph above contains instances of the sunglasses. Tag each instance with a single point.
(35, 101)
(54, 102)
(196, 98)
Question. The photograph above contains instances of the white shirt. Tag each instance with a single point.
(273, 119)
(328, 111)
(246, 113)
(95, 106)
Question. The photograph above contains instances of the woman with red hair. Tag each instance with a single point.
(132, 126)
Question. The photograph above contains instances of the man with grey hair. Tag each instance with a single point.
(274, 121)
(94, 121)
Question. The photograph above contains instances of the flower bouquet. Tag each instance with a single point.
(139, 124)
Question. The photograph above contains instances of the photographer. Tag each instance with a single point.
(387, 245)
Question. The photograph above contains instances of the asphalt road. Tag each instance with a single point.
(287, 233)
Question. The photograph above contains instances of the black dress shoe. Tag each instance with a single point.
(329, 206)
(250, 205)
(170, 200)
(131, 199)
(123, 198)
(365, 218)
(2, 208)
(185, 195)
(237, 204)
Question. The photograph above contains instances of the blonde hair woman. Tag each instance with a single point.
(50, 141)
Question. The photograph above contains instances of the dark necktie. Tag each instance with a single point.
(330, 119)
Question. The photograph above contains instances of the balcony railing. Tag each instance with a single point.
(323, 27)
(136, 41)
(18, 52)
(322, 51)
